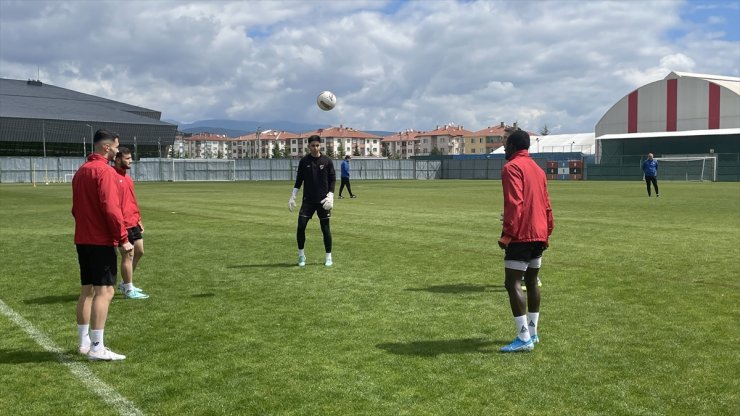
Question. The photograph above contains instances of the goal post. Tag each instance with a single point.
(687, 168)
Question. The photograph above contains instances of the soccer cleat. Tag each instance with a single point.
(535, 339)
(135, 294)
(518, 346)
(84, 349)
(328, 262)
(104, 354)
(353, 196)
(341, 197)
(301, 261)
(123, 289)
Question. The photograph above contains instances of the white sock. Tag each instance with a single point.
(96, 339)
(521, 327)
(533, 317)
(128, 286)
(328, 256)
(82, 333)
(301, 253)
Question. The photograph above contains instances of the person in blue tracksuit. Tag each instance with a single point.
(345, 178)
(650, 169)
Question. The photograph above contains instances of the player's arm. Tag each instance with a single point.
(110, 200)
(332, 176)
(513, 186)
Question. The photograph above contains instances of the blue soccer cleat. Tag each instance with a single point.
(301, 261)
(535, 339)
(518, 346)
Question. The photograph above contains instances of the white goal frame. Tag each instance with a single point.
(706, 174)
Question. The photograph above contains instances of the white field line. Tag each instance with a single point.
(124, 406)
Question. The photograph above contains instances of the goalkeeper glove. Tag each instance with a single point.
(328, 202)
(291, 201)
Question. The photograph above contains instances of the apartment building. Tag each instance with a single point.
(340, 141)
(265, 144)
(202, 146)
(402, 145)
(444, 140)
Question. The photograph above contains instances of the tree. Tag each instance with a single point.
(341, 150)
(220, 154)
(356, 152)
(330, 152)
(545, 131)
(435, 151)
(276, 152)
(384, 150)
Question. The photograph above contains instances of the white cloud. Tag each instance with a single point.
(560, 63)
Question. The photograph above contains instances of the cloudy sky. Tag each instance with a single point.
(394, 65)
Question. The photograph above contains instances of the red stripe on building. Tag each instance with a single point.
(632, 112)
(713, 106)
(671, 112)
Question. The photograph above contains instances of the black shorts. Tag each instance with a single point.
(134, 233)
(524, 251)
(98, 265)
(308, 208)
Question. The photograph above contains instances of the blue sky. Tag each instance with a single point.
(394, 65)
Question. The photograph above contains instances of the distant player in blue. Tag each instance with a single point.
(650, 169)
(345, 178)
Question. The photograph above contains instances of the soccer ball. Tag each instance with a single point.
(326, 100)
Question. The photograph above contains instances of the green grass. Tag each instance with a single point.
(639, 310)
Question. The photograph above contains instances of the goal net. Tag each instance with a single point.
(687, 168)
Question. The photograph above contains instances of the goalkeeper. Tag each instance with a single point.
(316, 171)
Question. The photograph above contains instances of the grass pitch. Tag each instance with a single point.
(639, 305)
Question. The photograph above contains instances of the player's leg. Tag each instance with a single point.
(84, 310)
(349, 189)
(324, 217)
(515, 265)
(341, 187)
(654, 180)
(647, 182)
(533, 298)
(86, 259)
(304, 215)
(138, 252)
(102, 285)
(127, 267)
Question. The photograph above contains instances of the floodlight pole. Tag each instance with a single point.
(91, 141)
(43, 135)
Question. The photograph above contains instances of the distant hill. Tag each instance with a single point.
(236, 128)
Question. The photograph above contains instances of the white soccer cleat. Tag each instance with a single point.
(84, 349)
(301, 261)
(104, 354)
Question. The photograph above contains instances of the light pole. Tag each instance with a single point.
(538, 144)
(571, 146)
(84, 151)
(258, 145)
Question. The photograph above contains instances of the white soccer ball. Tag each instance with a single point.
(326, 100)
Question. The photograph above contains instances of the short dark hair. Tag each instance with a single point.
(519, 140)
(103, 134)
(314, 138)
(122, 151)
(347, 157)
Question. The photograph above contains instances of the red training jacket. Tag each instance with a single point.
(129, 205)
(96, 204)
(527, 210)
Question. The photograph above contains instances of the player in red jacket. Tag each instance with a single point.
(527, 225)
(99, 228)
(134, 227)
